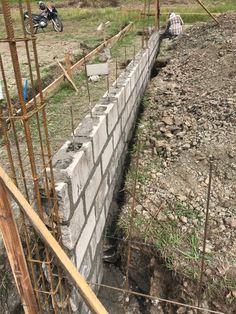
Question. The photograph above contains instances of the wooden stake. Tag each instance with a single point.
(50, 88)
(86, 292)
(68, 76)
(15, 254)
(68, 63)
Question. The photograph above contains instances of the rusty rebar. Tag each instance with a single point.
(131, 220)
(147, 296)
(33, 244)
(205, 232)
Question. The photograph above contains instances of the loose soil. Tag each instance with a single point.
(189, 122)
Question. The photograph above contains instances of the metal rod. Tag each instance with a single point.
(205, 232)
(156, 298)
(125, 58)
(86, 292)
(108, 88)
(87, 84)
(131, 222)
(72, 126)
(116, 73)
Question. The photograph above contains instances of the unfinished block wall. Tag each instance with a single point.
(86, 178)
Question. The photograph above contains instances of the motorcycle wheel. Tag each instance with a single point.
(57, 24)
(28, 28)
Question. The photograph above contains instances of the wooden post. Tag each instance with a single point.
(15, 254)
(68, 76)
(68, 63)
(77, 279)
(156, 14)
(203, 6)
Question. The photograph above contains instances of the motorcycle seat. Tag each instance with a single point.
(36, 17)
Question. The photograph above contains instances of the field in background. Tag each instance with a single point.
(80, 37)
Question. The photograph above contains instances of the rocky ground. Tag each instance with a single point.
(189, 121)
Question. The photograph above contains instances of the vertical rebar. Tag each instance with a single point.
(125, 63)
(87, 84)
(143, 33)
(205, 232)
(116, 73)
(132, 216)
(134, 53)
(72, 126)
(108, 88)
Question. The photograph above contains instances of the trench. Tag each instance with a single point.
(146, 262)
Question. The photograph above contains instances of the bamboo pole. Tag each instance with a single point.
(15, 254)
(203, 6)
(86, 292)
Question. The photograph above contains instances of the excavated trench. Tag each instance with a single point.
(145, 266)
(189, 118)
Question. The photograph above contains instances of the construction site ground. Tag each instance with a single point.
(188, 122)
(199, 78)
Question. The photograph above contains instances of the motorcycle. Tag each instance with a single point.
(41, 20)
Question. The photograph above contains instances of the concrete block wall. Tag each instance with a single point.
(86, 178)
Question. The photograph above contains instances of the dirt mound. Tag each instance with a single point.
(189, 119)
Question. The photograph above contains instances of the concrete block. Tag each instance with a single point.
(112, 117)
(84, 309)
(117, 134)
(100, 225)
(129, 126)
(70, 233)
(99, 137)
(85, 237)
(132, 80)
(115, 158)
(101, 196)
(110, 110)
(79, 170)
(92, 188)
(63, 200)
(106, 155)
(131, 102)
(86, 265)
(75, 299)
(95, 129)
(120, 96)
(93, 246)
(109, 200)
(127, 90)
(124, 117)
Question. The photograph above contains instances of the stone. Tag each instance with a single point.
(186, 146)
(231, 222)
(231, 274)
(167, 120)
(183, 219)
(178, 121)
(181, 310)
(94, 78)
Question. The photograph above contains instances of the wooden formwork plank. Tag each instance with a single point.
(50, 88)
(15, 253)
(84, 289)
